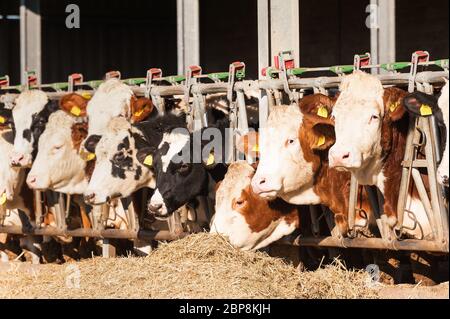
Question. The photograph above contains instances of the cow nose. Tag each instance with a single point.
(339, 158)
(31, 181)
(89, 198)
(16, 159)
(154, 207)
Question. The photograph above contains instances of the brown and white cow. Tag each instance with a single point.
(249, 221)
(113, 99)
(293, 160)
(371, 125)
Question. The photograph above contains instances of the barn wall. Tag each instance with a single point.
(10, 41)
(130, 36)
(228, 33)
(332, 31)
(422, 25)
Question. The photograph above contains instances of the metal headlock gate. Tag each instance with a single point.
(284, 83)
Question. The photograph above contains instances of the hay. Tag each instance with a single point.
(199, 266)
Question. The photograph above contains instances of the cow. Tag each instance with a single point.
(371, 125)
(121, 154)
(249, 221)
(30, 115)
(112, 99)
(187, 166)
(16, 200)
(293, 161)
(61, 166)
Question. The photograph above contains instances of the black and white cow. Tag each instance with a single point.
(186, 166)
(30, 115)
(121, 153)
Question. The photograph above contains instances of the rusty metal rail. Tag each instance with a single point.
(146, 235)
(370, 243)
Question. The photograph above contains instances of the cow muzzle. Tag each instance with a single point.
(343, 158)
(20, 160)
(265, 187)
(34, 182)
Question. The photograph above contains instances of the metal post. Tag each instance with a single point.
(285, 27)
(30, 38)
(188, 34)
(382, 33)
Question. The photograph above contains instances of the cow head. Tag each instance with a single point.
(117, 171)
(124, 158)
(363, 113)
(249, 221)
(182, 164)
(58, 165)
(30, 114)
(113, 99)
(285, 168)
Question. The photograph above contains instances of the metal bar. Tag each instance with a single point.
(263, 35)
(285, 26)
(188, 34)
(434, 191)
(373, 243)
(353, 198)
(423, 196)
(146, 235)
(30, 38)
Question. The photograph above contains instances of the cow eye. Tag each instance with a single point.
(240, 201)
(374, 117)
(119, 157)
(58, 147)
(290, 141)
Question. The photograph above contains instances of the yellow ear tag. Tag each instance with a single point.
(138, 113)
(87, 156)
(86, 95)
(75, 110)
(425, 110)
(210, 160)
(321, 140)
(148, 160)
(3, 199)
(394, 106)
(322, 112)
(2, 120)
(255, 148)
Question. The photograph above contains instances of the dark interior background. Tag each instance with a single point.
(134, 35)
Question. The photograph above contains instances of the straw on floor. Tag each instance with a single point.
(198, 266)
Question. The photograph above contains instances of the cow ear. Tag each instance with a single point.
(317, 104)
(5, 117)
(393, 103)
(74, 104)
(141, 109)
(320, 133)
(79, 133)
(145, 156)
(420, 104)
(248, 144)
